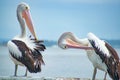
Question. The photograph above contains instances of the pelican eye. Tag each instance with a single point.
(65, 47)
(26, 7)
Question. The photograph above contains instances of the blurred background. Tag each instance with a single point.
(53, 17)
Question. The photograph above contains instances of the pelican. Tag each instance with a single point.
(98, 51)
(26, 51)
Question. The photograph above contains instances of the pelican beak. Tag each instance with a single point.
(72, 44)
(26, 16)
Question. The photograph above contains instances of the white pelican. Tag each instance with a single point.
(24, 50)
(98, 52)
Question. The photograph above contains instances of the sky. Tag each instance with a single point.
(51, 18)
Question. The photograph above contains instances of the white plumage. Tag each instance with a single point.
(14, 49)
(99, 43)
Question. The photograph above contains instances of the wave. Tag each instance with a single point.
(50, 43)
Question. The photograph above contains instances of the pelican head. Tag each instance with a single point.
(62, 42)
(69, 40)
(23, 16)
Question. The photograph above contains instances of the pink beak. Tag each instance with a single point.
(28, 20)
(72, 44)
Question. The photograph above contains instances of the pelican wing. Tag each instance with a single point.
(32, 59)
(114, 60)
(107, 54)
(112, 51)
(98, 51)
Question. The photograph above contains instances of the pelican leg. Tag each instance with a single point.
(105, 76)
(26, 72)
(16, 67)
(94, 74)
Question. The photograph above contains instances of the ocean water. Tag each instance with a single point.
(58, 63)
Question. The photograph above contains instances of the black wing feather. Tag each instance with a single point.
(32, 59)
(111, 61)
